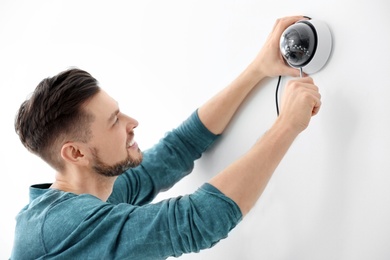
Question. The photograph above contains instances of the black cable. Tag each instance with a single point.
(276, 96)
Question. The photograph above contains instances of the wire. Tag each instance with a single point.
(276, 96)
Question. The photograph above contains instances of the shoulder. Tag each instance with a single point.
(57, 221)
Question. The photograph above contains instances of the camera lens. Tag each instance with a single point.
(298, 44)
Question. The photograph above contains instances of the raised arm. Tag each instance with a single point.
(244, 180)
(219, 110)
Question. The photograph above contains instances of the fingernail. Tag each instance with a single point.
(307, 17)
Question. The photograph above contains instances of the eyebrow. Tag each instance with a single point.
(114, 114)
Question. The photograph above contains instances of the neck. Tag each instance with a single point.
(85, 183)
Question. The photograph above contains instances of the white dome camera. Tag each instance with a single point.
(307, 44)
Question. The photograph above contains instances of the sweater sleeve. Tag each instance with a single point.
(164, 164)
(155, 231)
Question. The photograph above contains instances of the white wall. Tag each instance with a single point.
(330, 197)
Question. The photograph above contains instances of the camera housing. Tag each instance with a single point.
(307, 44)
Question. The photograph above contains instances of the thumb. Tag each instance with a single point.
(293, 72)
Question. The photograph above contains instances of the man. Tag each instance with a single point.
(99, 205)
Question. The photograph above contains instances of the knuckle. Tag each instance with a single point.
(295, 85)
(306, 96)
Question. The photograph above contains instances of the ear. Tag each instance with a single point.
(73, 152)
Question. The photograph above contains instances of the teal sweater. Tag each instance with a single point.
(63, 225)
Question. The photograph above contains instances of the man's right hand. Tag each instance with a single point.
(301, 100)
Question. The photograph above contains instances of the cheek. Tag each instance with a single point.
(111, 147)
(115, 145)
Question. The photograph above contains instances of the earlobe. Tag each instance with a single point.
(72, 153)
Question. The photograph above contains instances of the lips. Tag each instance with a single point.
(131, 143)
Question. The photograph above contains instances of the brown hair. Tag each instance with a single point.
(54, 114)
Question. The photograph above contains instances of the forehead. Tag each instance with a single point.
(101, 105)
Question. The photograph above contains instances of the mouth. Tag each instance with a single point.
(130, 143)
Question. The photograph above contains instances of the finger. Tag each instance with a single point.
(316, 107)
(312, 90)
(282, 23)
(287, 70)
(315, 95)
(290, 71)
(307, 80)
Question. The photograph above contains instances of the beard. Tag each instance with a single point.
(117, 168)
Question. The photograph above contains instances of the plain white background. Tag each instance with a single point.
(330, 197)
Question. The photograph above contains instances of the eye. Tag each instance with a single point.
(116, 121)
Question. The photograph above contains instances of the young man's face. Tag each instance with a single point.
(112, 146)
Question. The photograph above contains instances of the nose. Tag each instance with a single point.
(131, 123)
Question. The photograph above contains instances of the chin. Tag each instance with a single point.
(112, 170)
(138, 160)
